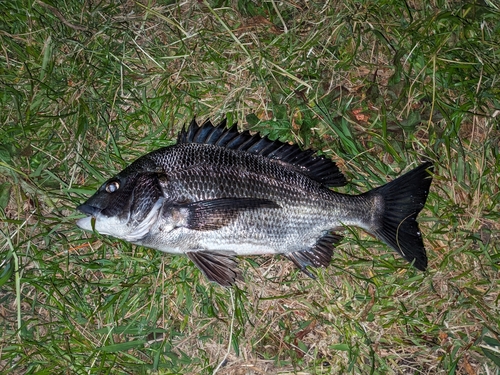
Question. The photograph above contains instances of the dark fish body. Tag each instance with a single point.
(219, 193)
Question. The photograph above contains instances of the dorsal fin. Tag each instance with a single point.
(318, 168)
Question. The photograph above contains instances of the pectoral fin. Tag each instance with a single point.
(222, 269)
(217, 213)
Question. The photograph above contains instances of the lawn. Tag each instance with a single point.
(87, 87)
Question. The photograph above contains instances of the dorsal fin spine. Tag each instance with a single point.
(318, 168)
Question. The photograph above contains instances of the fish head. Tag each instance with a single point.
(125, 206)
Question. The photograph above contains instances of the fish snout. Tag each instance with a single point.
(88, 209)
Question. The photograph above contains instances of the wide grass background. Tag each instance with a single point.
(88, 86)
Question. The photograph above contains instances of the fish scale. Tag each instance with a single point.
(246, 174)
(219, 193)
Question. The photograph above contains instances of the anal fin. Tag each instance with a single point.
(217, 267)
(319, 255)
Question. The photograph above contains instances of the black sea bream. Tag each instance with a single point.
(218, 194)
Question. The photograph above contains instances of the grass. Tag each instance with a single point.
(86, 87)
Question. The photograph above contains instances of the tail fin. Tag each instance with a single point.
(401, 201)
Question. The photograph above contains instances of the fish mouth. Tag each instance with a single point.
(91, 211)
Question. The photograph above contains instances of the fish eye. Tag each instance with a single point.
(112, 186)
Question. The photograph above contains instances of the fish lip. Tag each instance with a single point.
(88, 209)
(85, 223)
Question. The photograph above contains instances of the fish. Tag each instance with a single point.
(218, 194)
